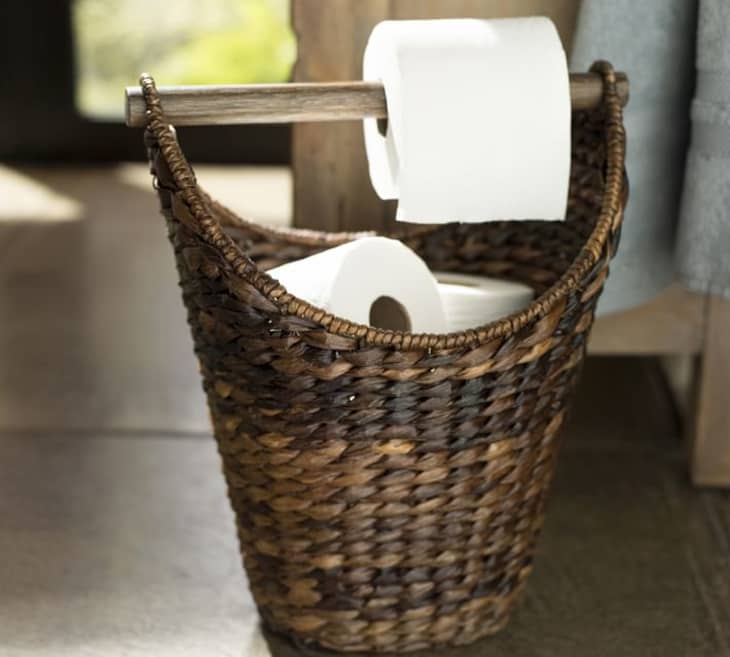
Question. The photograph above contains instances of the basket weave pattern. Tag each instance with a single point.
(389, 488)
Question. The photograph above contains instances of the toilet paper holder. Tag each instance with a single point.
(389, 487)
(307, 101)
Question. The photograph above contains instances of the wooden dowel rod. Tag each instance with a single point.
(299, 102)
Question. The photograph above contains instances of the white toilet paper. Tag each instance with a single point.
(471, 301)
(478, 119)
(372, 280)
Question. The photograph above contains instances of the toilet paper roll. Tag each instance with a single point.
(471, 301)
(372, 280)
(478, 119)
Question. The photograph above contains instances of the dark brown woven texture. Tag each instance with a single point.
(389, 488)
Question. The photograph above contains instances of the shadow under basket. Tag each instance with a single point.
(389, 488)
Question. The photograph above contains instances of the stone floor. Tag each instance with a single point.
(115, 534)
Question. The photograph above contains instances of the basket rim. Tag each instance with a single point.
(198, 203)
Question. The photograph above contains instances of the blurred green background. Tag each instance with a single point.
(185, 42)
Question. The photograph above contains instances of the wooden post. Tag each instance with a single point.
(331, 186)
(306, 102)
(709, 424)
(332, 189)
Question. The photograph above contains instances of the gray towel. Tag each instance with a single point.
(703, 242)
(653, 41)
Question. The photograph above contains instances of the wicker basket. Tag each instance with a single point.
(389, 488)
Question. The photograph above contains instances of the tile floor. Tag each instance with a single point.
(115, 534)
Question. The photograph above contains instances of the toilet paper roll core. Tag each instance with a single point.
(389, 314)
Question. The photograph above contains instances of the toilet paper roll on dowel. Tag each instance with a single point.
(478, 119)
(373, 280)
(472, 301)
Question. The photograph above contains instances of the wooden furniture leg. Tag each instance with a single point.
(684, 325)
(709, 424)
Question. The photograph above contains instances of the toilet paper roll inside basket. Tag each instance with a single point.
(478, 119)
(471, 301)
(372, 280)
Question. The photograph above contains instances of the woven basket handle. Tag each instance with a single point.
(174, 175)
(158, 127)
(616, 188)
